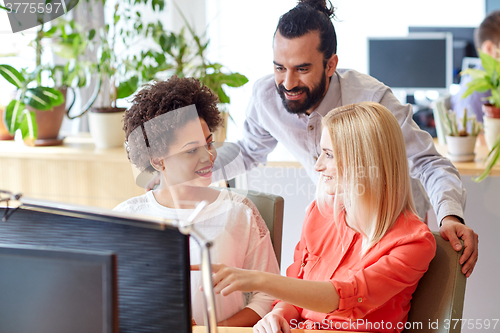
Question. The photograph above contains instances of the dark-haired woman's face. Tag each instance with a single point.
(191, 158)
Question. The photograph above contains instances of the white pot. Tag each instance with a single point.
(461, 148)
(491, 130)
(106, 129)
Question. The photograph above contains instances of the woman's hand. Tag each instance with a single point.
(229, 279)
(273, 322)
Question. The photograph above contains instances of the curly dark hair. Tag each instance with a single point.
(307, 16)
(151, 139)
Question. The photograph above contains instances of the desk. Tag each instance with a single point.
(75, 172)
(475, 167)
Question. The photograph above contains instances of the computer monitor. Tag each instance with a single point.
(491, 5)
(463, 44)
(52, 290)
(411, 63)
(152, 258)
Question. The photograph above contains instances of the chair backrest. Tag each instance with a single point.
(271, 208)
(439, 106)
(439, 298)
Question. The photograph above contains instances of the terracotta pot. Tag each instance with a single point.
(491, 111)
(106, 127)
(49, 123)
(4, 133)
(221, 133)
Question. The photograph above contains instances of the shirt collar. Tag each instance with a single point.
(332, 97)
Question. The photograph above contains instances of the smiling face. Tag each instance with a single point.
(300, 74)
(326, 164)
(191, 158)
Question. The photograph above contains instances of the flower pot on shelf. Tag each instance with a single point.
(4, 132)
(491, 122)
(461, 148)
(49, 124)
(105, 126)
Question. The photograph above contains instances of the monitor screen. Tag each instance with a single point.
(414, 62)
(463, 44)
(52, 290)
(152, 258)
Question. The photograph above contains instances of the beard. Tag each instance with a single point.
(312, 97)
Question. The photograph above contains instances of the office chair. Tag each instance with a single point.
(440, 293)
(271, 208)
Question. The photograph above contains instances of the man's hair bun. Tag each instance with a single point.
(320, 5)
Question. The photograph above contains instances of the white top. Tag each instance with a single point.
(240, 239)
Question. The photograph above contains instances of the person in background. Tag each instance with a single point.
(169, 127)
(362, 249)
(487, 39)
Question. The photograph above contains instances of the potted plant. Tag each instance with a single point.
(28, 111)
(461, 135)
(29, 93)
(187, 56)
(120, 72)
(484, 80)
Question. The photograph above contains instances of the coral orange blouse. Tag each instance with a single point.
(375, 290)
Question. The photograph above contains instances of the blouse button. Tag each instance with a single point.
(360, 300)
(311, 127)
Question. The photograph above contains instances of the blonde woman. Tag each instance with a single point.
(363, 249)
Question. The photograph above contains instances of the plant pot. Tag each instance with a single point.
(4, 132)
(491, 111)
(105, 126)
(221, 133)
(491, 130)
(461, 148)
(49, 123)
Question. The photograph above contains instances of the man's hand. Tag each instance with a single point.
(452, 230)
(153, 182)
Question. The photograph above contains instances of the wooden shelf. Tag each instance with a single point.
(75, 172)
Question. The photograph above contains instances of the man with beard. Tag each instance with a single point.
(287, 107)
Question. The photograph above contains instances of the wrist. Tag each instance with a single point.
(451, 219)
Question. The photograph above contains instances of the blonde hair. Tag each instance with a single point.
(370, 156)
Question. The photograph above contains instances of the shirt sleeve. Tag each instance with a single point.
(260, 256)
(255, 145)
(439, 177)
(401, 268)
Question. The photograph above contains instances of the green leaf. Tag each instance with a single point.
(489, 63)
(223, 98)
(12, 115)
(234, 79)
(12, 75)
(91, 34)
(474, 73)
(28, 127)
(43, 98)
(127, 88)
(491, 160)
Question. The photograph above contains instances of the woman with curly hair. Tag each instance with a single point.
(169, 127)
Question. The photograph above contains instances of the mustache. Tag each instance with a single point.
(294, 90)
